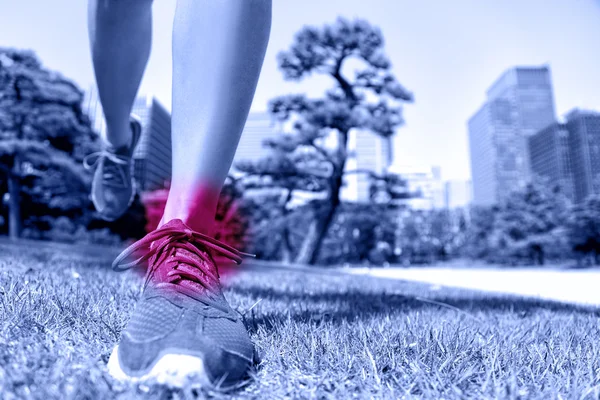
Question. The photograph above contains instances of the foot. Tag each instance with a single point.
(113, 186)
(182, 331)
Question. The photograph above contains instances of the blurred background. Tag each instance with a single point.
(442, 131)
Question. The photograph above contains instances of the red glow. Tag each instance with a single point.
(228, 226)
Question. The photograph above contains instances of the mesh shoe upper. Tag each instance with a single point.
(182, 309)
(113, 186)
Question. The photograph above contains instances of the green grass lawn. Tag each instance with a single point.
(319, 336)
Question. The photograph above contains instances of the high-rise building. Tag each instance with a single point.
(367, 152)
(457, 194)
(424, 184)
(584, 143)
(257, 129)
(550, 157)
(92, 107)
(152, 156)
(518, 105)
(483, 157)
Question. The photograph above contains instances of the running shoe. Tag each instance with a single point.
(113, 185)
(182, 330)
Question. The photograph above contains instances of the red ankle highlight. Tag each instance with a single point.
(212, 211)
(202, 205)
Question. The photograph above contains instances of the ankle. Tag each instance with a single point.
(196, 208)
(206, 226)
(119, 137)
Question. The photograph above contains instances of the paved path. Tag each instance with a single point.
(573, 286)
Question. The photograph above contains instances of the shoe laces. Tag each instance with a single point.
(186, 274)
(114, 171)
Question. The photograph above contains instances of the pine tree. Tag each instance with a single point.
(370, 101)
(44, 136)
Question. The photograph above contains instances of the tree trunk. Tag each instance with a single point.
(390, 153)
(309, 244)
(285, 234)
(322, 219)
(286, 246)
(14, 191)
(309, 252)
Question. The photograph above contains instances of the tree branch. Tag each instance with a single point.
(9, 172)
(343, 82)
(362, 171)
(283, 175)
(288, 198)
(323, 152)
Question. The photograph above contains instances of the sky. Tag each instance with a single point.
(448, 53)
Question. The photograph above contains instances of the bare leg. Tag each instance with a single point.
(120, 34)
(218, 51)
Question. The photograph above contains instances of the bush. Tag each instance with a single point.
(360, 233)
(99, 236)
(63, 229)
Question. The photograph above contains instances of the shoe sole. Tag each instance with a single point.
(172, 370)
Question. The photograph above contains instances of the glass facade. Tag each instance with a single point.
(518, 105)
(584, 142)
(152, 155)
(258, 127)
(483, 157)
(550, 157)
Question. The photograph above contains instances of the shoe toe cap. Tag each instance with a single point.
(225, 368)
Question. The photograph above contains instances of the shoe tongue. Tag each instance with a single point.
(123, 151)
(126, 149)
(180, 225)
(176, 223)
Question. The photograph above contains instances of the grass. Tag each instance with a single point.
(319, 336)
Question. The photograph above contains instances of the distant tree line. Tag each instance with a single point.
(44, 136)
(534, 225)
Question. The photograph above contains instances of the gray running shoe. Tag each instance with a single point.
(113, 186)
(182, 331)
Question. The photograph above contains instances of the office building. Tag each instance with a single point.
(457, 194)
(483, 157)
(92, 107)
(366, 152)
(257, 129)
(424, 184)
(550, 157)
(584, 143)
(152, 156)
(519, 104)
